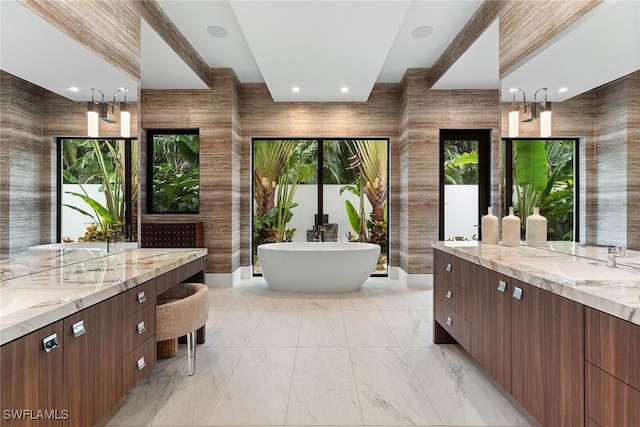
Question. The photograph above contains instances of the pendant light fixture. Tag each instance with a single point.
(125, 115)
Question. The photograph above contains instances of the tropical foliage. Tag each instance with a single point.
(544, 177)
(460, 163)
(101, 162)
(176, 173)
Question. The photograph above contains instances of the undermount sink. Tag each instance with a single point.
(580, 270)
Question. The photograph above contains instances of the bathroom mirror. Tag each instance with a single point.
(46, 81)
(601, 47)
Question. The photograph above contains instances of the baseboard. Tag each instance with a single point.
(414, 281)
(220, 280)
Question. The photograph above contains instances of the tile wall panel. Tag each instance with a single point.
(23, 214)
(211, 111)
(633, 160)
(425, 113)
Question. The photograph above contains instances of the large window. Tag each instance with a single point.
(97, 188)
(339, 185)
(173, 171)
(543, 173)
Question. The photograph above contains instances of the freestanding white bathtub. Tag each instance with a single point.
(317, 267)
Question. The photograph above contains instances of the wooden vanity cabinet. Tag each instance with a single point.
(547, 368)
(452, 301)
(491, 323)
(530, 340)
(35, 379)
(612, 371)
(92, 353)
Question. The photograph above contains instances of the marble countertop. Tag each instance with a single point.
(44, 287)
(574, 271)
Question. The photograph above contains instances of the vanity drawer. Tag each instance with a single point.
(139, 297)
(453, 323)
(452, 268)
(136, 364)
(613, 344)
(453, 296)
(608, 401)
(138, 327)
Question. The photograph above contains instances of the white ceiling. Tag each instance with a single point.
(319, 45)
(36, 51)
(323, 45)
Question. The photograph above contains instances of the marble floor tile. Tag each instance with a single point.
(323, 303)
(291, 359)
(362, 302)
(389, 391)
(322, 328)
(278, 328)
(234, 328)
(460, 393)
(258, 391)
(367, 328)
(409, 327)
(323, 391)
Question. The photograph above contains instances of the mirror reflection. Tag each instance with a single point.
(47, 80)
(591, 80)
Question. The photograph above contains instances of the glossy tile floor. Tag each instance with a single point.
(276, 359)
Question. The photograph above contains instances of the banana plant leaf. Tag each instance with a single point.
(354, 217)
(101, 210)
(531, 164)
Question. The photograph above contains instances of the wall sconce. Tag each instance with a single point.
(125, 115)
(100, 110)
(537, 110)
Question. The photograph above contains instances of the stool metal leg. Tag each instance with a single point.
(191, 351)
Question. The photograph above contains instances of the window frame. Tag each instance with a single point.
(150, 134)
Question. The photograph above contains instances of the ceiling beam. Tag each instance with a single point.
(153, 14)
(479, 22)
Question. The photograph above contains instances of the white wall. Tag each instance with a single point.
(460, 211)
(307, 199)
(74, 224)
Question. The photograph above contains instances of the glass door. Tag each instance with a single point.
(464, 183)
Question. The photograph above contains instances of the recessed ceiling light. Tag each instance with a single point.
(422, 32)
(563, 89)
(295, 89)
(217, 32)
(74, 89)
(344, 89)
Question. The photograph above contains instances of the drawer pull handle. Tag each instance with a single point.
(141, 363)
(141, 328)
(449, 293)
(449, 267)
(502, 286)
(78, 328)
(517, 293)
(50, 343)
(449, 321)
(141, 297)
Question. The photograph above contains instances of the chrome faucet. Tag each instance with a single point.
(614, 252)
